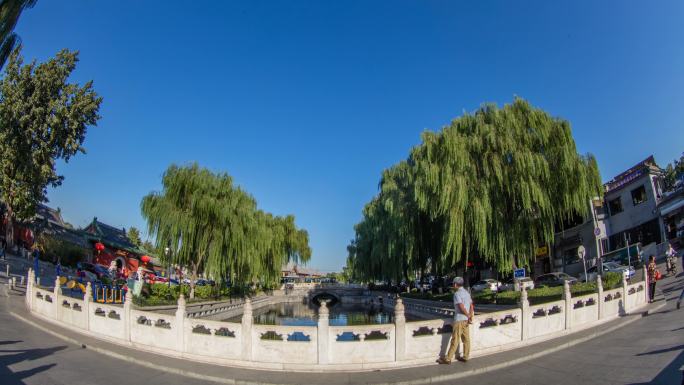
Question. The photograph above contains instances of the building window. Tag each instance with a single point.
(570, 256)
(639, 195)
(646, 233)
(604, 246)
(615, 206)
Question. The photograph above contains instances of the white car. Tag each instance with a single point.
(607, 267)
(490, 284)
(517, 284)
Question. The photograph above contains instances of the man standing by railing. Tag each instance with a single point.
(463, 317)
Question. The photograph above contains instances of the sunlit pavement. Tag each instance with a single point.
(649, 351)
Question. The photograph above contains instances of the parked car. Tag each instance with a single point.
(517, 284)
(554, 279)
(614, 267)
(491, 284)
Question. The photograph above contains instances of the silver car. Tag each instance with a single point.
(517, 284)
(491, 284)
(614, 267)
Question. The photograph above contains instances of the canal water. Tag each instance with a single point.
(299, 314)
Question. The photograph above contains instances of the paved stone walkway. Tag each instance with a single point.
(648, 349)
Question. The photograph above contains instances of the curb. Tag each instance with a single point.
(429, 380)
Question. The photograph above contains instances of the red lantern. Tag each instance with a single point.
(145, 258)
(99, 246)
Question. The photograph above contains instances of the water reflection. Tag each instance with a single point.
(300, 314)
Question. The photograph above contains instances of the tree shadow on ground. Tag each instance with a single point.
(672, 373)
(678, 347)
(9, 342)
(11, 357)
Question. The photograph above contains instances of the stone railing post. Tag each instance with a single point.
(624, 292)
(525, 315)
(127, 316)
(57, 303)
(399, 330)
(87, 297)
(599, 290)
(180, 323)
(567, 297)
(323, 331)
(247, 330)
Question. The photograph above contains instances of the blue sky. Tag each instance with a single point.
(305, 102)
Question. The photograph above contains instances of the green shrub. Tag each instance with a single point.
(611, 280)
(583, 288)
(506, 297)
(204, 291)
(160, 294)
(545, 294)
(164, 291)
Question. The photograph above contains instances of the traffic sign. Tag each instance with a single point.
(519, 273)
(581, 252)
(597, 231)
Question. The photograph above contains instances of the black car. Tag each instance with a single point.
(554, 279)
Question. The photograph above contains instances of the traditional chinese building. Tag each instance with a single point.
(295, 273)
(111, 244)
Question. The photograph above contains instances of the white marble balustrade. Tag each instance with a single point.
(324, 347)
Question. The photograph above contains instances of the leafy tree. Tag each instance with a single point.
(148, 246)
(488, 188)
(673, 172)
(43, 118)
(10, 10)
(133, 235)
(214, 227)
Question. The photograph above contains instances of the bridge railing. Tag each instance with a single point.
(323, 346)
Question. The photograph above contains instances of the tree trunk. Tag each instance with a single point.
(9, 228)
(193, 280)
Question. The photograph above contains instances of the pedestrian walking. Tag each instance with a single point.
(653, 274)
(463, 317)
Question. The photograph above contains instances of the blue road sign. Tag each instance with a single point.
(519, 273)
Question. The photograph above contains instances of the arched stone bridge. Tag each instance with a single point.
(336, 293)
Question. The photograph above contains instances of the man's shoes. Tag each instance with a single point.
(443, 361)
(462, 359)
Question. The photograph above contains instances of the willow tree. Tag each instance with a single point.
(490, 187)
(214, 227)
(10, 11)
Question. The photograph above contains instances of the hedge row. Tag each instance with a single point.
(535, 296)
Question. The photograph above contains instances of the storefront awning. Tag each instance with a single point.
(671, 207)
